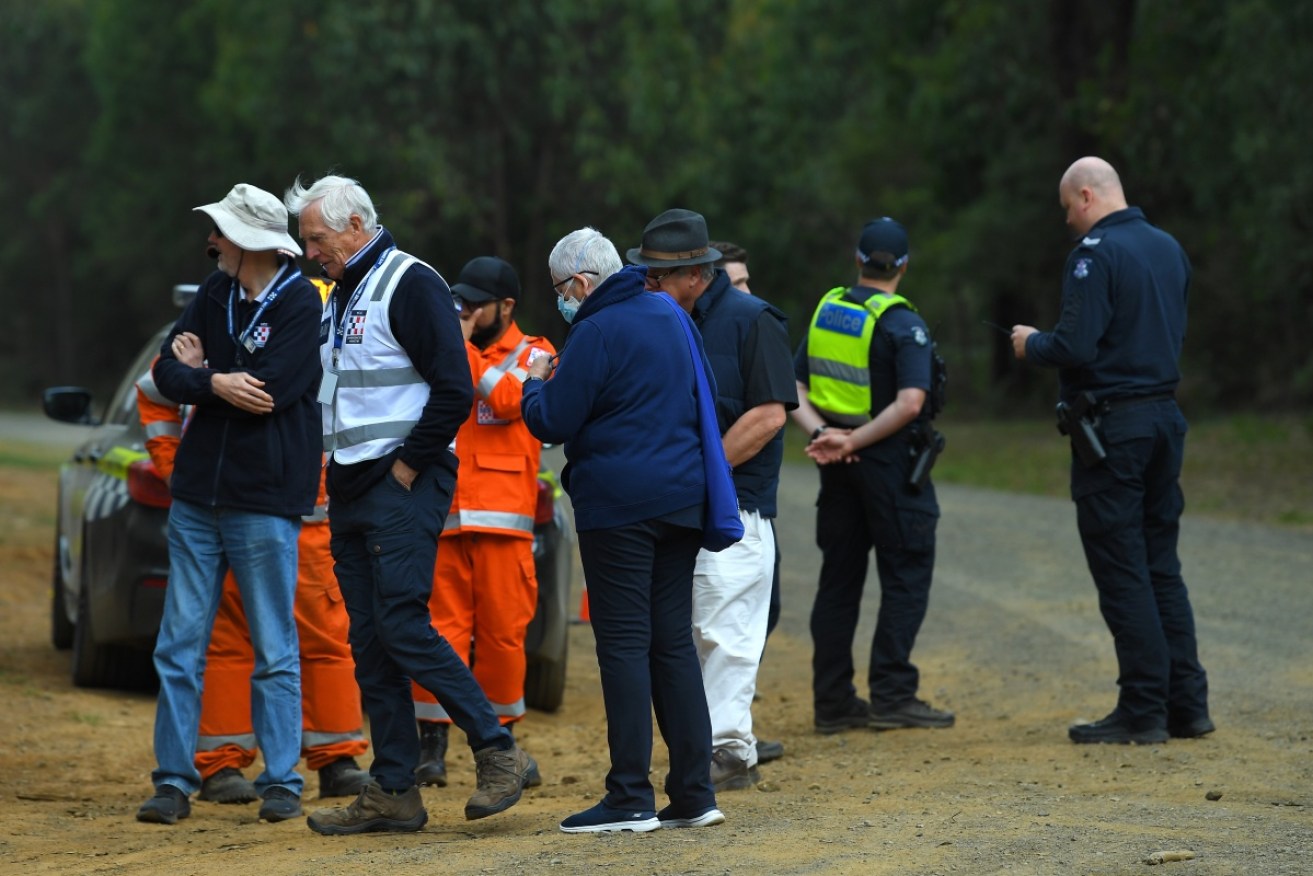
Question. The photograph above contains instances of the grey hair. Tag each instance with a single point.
(584, 250)
(339, 198)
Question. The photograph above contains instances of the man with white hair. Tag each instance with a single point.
(396, 388)
(243, 353)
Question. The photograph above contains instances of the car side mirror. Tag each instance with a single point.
(69, 404)
(183, 293)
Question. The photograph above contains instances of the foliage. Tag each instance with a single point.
(494, 128)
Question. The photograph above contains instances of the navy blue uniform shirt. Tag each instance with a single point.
(1124, 292)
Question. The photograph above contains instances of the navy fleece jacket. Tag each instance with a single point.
(623, 402)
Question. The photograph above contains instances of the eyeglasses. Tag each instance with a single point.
(560, 287)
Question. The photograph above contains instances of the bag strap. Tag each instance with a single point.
(704, 388)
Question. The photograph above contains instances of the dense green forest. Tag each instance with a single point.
(496, 126)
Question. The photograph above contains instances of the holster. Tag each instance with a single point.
(1079, 422)
(925, 450)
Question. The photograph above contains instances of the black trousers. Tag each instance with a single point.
(384, 546)
(640, 598)
(1128, 510)
(865, 505)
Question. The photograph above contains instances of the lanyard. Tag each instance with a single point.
(339, 326)
(240, 341)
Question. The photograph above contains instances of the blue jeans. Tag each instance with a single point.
(261, 550)
(385, 545)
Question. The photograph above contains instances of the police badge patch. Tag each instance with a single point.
(1082, 269)
(918, 335)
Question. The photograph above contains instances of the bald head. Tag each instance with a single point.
(1090, 190)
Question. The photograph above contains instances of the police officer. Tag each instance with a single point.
(1119, 338)
(864, 372)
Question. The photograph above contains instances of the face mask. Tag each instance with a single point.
(568, 307)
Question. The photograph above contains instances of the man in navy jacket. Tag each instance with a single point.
(244, 354)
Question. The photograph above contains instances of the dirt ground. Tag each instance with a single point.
(1003, 792)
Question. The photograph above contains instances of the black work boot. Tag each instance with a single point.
(228, 785)
(432, 769)
(342, 778)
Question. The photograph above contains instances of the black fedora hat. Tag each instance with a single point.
(486, 278)
(674, 239)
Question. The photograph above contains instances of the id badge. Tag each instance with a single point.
(327, 387)
(249, 344)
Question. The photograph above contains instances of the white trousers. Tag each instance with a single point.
(731, 601)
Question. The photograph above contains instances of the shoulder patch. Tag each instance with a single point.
(1081, 269)
(919, 335)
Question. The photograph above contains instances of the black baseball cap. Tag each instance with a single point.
(883, 243)
(487, 278)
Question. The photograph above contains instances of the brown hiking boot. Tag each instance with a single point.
(502, 776)
(374, 810)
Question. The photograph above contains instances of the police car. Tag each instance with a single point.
(111, 548)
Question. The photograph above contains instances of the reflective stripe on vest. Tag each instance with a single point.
(160, 428)
(319, 515)
(839, 354)
(379, 395)
(488, 382)
(489, 520)
(147, 385)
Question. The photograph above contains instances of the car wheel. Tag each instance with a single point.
(544, 683)
(100, 665)
(90, 660)
(61, 628)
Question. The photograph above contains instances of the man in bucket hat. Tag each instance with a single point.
(747, 345)
(244, 354)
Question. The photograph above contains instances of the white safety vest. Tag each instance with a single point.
(379, 395)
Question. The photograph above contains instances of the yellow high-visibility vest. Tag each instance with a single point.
(839, 354)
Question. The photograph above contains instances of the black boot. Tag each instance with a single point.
(342, 778)
(432, 769)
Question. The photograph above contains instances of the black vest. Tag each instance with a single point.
(725, 318)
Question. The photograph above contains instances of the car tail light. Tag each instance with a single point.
(146, 487)
(155, 583)
(546, 507)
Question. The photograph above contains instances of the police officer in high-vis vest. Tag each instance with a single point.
(864, 374)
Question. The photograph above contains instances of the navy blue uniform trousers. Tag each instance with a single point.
(1128, 510)
(384, 546)
(640, 598)
(865, 505)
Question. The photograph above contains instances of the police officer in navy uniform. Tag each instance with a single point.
(864, 373)
(1119, 339)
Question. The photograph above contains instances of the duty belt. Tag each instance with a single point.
(1108, 405)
